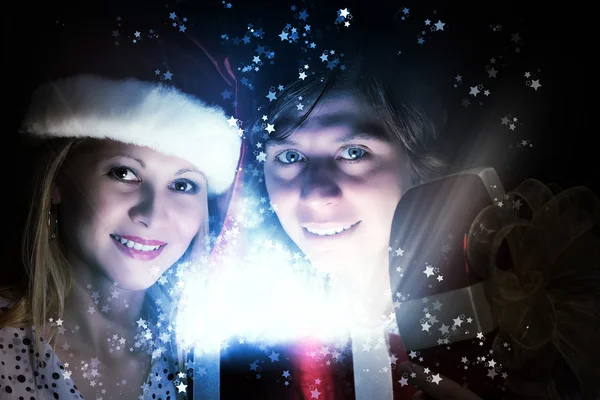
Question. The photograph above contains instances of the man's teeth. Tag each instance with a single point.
(134, 245)
(329, 232)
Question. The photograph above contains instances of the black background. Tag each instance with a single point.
(555, 118)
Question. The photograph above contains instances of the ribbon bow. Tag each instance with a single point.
(540, 257)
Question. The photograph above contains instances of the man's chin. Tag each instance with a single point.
(333, 263)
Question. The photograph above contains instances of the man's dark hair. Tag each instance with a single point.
(410, 112)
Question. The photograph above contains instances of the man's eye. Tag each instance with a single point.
(352, 153)
(123, 174)
(289, 157)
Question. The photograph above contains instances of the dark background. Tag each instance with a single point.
(554, 118)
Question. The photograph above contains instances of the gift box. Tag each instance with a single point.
(443, 315)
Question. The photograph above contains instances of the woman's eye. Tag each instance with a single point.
(124, 174)
(289, 157)
(352, 153)
(185, 186)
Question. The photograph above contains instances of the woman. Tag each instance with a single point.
(121, 201)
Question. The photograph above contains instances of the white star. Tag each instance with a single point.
(181, 387)
(232, 121)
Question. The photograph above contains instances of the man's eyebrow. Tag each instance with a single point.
(360, 129)
(341, 140)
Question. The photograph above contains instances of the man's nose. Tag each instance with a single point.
(320, 187)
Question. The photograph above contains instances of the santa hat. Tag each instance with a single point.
(165, 92)
(148, 114)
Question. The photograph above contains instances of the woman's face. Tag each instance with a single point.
(335, 183)
(128, 212)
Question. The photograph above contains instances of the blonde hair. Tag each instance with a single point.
(46, 268)
(48, 272)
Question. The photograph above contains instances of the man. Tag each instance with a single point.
(345, 148)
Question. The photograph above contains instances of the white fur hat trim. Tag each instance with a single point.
(141, 113)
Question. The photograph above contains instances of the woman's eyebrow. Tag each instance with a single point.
(184, 170)
(122, 155)
(143, 164)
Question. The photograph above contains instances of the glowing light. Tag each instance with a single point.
(264, 296)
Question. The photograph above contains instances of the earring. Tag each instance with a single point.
(53, 222)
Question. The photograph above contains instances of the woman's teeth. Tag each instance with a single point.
(330, 231)
(134, 245)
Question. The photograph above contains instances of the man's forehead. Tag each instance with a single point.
(342, 114)
(346, 122)
(334, 128)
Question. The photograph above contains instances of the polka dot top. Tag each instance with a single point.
(26, 374)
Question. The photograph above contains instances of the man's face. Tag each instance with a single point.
(127, 212)
(335, 183)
